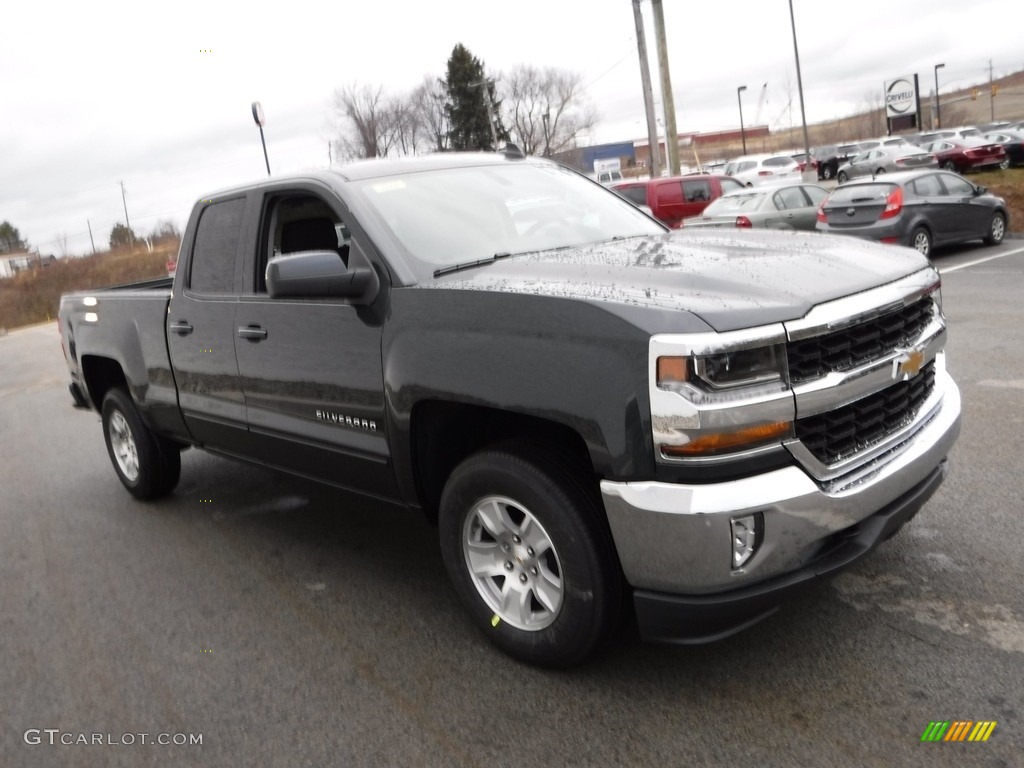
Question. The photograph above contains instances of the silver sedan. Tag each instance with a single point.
(885, 160)
(786, 206)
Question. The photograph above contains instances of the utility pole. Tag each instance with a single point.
(131, 240)
(645, 80)
(991, 93)
(91, 241)
(667, 100)
(809, 173)
(739, 100)
(490, 110)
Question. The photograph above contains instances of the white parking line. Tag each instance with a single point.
(976, 262)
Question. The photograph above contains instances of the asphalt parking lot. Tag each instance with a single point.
(285, 624)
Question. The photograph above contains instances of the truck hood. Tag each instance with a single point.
(731, 280)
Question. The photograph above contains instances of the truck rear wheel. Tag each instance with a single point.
(529, 556)
(146, 464)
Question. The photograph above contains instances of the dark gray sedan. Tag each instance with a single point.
(916, 208)
(881, 160)
(785, 206)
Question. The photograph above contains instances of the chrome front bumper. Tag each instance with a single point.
(676, 539)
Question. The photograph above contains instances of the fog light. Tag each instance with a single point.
(747, 532)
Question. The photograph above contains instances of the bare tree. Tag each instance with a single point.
(362, 111)
(547, 108)
(428, 101)
(373, 123)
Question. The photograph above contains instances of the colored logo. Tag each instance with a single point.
(958, 730)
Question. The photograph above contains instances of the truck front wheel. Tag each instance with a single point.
(528, 554)
(147, 465)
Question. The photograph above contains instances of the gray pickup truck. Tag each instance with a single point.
(605, 419)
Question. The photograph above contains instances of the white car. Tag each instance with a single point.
(751, 170)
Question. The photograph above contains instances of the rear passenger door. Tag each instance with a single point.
(311, 367)
(970, 220)
(201, 328)
(939, 209)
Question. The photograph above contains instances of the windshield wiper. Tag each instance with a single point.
(470, 264)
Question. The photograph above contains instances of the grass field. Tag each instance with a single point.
(33, 296)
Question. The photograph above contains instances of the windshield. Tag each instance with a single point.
(453, 216)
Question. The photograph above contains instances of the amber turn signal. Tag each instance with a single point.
(672, 370)
(720, 442)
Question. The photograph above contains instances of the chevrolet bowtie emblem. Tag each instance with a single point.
(908, 366)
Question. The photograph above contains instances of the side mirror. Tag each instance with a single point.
(316, 273)
(980, 190)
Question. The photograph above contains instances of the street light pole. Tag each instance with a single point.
(938, 114)
(547, 141)
(257, 115)
(739, 100)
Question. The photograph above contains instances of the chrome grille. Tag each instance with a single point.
(848, 348)
(843, 432)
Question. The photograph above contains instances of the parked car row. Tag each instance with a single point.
(919, 208)
(961, 149)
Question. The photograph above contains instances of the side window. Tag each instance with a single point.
(926, 186)
(298, 222)
(636, 195)
(731, 185)
(957, 187)
(214, 253)
(817, 195)
(788, 198)
(696, 191)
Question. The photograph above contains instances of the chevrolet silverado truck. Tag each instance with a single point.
(608, 421)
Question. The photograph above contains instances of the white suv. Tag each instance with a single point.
(751, 170)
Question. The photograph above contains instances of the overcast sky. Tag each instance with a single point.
(103, 92)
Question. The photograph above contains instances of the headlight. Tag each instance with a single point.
(745, 368)
(714, 403)
(742, 368)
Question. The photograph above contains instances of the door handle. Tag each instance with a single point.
(252, 333)
(182, 328)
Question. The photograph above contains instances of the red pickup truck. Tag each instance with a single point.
(674, 198)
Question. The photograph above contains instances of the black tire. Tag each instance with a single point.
(827, 172)
(147, 465)
(921, 241)
(543, 541)
(880, 172)
(842, 177)
(949, 165)
(996, 229)
(1004, 164)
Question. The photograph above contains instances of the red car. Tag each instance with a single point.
(968, 154)
(673, 198)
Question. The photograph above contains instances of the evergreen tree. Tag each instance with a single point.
(10, 239)
(467, 88)
(121, 236)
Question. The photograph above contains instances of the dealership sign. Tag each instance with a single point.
(901, 97)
